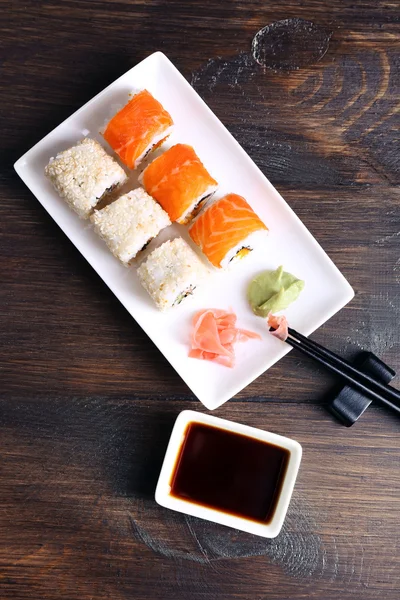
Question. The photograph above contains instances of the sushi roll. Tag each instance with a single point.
(227, 230)
(130, 223)
(171, 272)
(83, 174)
(139, 127)
(179, 181)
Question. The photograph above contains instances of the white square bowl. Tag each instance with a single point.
(164, 497)
(289, 242)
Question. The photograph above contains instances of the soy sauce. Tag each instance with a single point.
(229, 472)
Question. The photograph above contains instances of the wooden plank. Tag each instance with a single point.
(78, 477)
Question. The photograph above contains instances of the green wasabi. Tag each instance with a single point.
(272, 291)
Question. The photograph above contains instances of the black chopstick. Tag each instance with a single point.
(381, 392)
(387, 390)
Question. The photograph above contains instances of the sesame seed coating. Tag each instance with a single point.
(170, 271)
(130, 223)
(83, 174)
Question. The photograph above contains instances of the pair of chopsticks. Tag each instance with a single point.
(385, 394)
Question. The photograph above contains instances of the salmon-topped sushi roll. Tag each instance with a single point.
(227, 230)
(179, 181)
(138, 128)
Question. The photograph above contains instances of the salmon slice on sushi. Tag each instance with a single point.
(227, 230)
(179, 181)
(139, 127)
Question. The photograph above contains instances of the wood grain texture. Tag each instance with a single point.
(87, 403)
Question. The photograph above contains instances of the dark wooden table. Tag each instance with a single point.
(87, 402)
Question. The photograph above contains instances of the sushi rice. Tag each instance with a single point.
(171, 272)
(84, 174)
(130, 223)
(243, 248)
(155, 143)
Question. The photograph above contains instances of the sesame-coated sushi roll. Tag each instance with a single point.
(83, 174)
(171, 272)
(139, 127)
(179, 181)
(130, 223)
(227, 230)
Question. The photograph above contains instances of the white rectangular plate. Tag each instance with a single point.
(289, 242)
